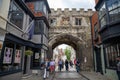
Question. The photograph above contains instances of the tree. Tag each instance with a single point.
(68, 53)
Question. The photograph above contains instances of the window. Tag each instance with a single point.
(44, 9)
(95, 31)
(30, 20)
(1, 3)
(53, 22)
(45, 30)
(77, 21)
(113, 10)
(102, 15)
(36, 59)
(112, 52)
(38, 6)
(12, 57)
(39, 26)
(16, 15)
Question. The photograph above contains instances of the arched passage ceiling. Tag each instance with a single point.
(66, 39)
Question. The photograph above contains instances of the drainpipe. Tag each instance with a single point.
(92, 43)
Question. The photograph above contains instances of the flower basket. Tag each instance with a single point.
(28, 52)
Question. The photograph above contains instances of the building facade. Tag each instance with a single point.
(4, 6)
(24, 32)
(98, 50)
(109, 30)
(72, 27)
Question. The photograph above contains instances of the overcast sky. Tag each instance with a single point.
(72, 4)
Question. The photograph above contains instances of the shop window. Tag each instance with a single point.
(112, 52)
(17, 57)
(77, 21)
(16, 15)
(11, 57)
(36, 60)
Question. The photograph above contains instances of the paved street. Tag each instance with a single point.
(68, 76)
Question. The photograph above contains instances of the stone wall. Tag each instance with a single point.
(63, 22)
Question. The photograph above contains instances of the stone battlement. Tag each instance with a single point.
(73, 9)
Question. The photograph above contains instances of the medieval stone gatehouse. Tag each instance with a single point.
(72, 27)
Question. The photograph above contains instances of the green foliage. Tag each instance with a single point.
(68, 53)
(28, 52)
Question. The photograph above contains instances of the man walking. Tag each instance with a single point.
(46, 69)
(60, 63)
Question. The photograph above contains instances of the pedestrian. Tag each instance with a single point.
(77, 65)
(75, 61)
(66, 64)
(118, 67)
(52, 66)
(71, 63)
(46, 68)
(60, 64)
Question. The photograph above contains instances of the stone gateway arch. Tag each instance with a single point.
(72, 28)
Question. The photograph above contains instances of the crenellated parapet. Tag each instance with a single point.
(73, 11)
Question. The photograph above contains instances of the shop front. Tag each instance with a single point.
(11, 58)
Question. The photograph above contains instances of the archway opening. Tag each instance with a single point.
(77, 43)
(64, 52)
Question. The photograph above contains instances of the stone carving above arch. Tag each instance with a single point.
(65, 20)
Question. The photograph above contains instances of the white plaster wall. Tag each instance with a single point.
(4, 13)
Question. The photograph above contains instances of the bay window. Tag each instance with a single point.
(16, 15)
(102, 15)
(113, 10)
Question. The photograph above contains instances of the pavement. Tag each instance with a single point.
(94, 76)
(38, 77)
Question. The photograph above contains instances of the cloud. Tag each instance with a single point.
(71, 4)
